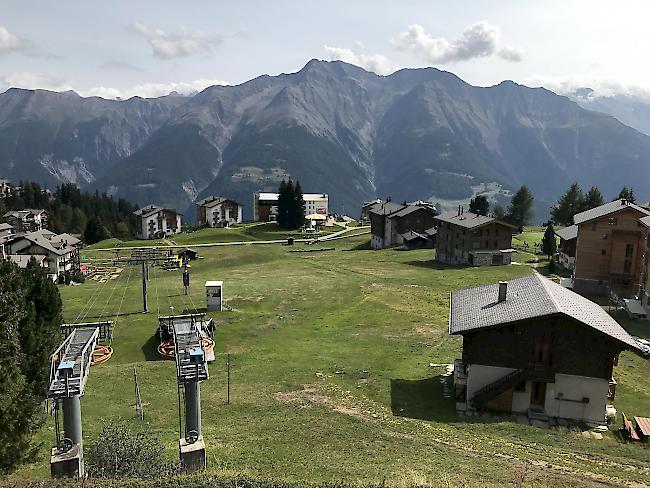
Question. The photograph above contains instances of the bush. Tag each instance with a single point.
(119, 452)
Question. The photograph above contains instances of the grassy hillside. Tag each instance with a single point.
(337, 375)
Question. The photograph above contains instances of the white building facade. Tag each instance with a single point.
(158, 222)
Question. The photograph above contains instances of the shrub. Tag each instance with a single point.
(119, 452)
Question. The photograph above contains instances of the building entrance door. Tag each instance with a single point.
(538, 394)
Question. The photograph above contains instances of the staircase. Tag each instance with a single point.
(491, 390)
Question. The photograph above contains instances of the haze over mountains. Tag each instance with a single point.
(415, 134)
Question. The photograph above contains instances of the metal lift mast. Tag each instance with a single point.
(143, 257)
(69, 367)
(191, 369)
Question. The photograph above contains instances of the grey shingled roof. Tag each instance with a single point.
(431, 232)
(468, 220)
(385, 208)
(410, 235)
(410, 209)
(645, 221)
(607, 209)
(148, 210)
(530, 297)
(567, 233)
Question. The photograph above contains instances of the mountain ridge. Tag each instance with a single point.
(415, 134)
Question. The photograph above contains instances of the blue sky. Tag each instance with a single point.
(148, 48)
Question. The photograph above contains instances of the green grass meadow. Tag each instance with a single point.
(337, 363)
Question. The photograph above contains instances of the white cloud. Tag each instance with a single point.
(378, 63)
(152, 90)
(9, 42)
(46, 81)
(177, 44)
(49, 81)
(479, 40)
(602, 87)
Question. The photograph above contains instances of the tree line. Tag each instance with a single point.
(96, 216)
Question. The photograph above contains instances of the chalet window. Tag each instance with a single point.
(487, 232)
(463, 231)
(603, 252)
(629, 250)
(520, 387)
(496, 244)
(496, 231)
(613, 221)
(627, 266)
(487, 244)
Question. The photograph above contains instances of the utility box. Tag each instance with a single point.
(214, 295)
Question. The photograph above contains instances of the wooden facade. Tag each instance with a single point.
(390, 221)
(457, 244)
(544, 346)
(610, 252)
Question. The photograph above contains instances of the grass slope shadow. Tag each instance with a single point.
(425, 399)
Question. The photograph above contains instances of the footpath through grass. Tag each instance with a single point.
(337, 374)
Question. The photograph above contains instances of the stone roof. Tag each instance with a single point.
(23, 259)
(411, 235)
(468, 220)
(530, 297)
(607, 209)
(148, 210)
(385, 208)
(567, 233)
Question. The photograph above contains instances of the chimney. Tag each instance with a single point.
(458, 209)
(503, 291)
(623, 201)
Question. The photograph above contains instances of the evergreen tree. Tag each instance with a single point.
(479, 205)
(569, 204)
(39, 329)
(593, 199)
(626, 194)
(30, 314)
(286, 204)
(520, 211)
(549, 244)
(95, 231)
(498, 212)
(298, 214)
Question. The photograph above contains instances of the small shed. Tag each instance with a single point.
(214, 295)
(186, 253)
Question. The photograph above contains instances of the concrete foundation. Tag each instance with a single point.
(192, 455)
(67, 465)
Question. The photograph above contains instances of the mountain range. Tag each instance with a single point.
(415, 134)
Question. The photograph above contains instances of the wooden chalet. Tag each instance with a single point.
(534, 348)
(610, 248)
(469, 238)
(394, 224)
(157, 222)
(566, 252)
(218, 212)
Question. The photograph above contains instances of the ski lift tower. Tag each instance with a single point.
(191, 369)
(69, 367)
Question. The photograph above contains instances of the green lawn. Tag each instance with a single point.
(236, 233)
(336, 374)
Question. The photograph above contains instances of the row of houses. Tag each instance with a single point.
(460, 238)
(158, 222)
(27, 220)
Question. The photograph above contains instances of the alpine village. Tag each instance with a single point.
(351, 275)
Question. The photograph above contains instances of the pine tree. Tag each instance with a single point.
(520, 211)
(498, 212)
(298, 214)
(285, 204)
(479, 205)
(549, 244)
(593, 199)
(39, 329)
(569, 204)
(626, 194)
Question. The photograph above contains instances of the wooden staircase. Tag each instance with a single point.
(488, 392)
